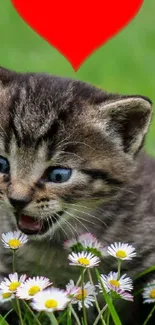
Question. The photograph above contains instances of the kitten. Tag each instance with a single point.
(70, 162)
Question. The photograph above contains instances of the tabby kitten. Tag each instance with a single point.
(70, 162)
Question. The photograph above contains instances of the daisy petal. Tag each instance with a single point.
(50, 300)
(121, 251)
(83, 259)
(13, 282)
(14, 239)
(75, 294)
(111, 281)
(149, 293)
(31, 287)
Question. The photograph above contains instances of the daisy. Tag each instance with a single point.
(118, 293)
(50, 300)
(11, 283)
(91, 244)
(85, 242)
(121, 251)
(75, 294)
(83, 259)
(71, 289)
(69, 244)
(149, 292)
(111, 280)
(6, 296)
(31, 287)
(14, 239)
(87, 239)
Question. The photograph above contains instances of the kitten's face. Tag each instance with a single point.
(62, 143)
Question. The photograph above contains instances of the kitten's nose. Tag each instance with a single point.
(19, 203)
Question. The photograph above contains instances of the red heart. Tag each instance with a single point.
(77, 28)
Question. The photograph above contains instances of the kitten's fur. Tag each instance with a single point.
(52, 121)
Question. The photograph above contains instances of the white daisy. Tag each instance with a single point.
(70, 243)
(111, 280)
(31, 287)
(121, 251)
(14, 239)
(75, 294)
(6, 296)
(71, 289)
(118, 293)
(11, 283)
(50, 300)
(86, 242)
(89, 241)
(149, 292)
(83, 259)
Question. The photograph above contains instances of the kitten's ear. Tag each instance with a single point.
(127, 120)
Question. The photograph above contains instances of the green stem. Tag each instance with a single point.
(79, 279)
(39, 314)
(100, 314)
(83, 305)
(19, 312)
(149, 316)
(52, 318)
(13, 262)
(96, 302)
(108, 317)
(119, 269)
(75, 315)
(61, 317)
(31, 312)
(69, 316)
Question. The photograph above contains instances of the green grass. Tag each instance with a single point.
(126, 64)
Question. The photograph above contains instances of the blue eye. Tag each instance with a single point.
(59, 175)
(4, 165)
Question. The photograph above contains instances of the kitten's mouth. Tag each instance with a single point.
(33, 226)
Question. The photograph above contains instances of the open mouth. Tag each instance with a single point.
(33, 226)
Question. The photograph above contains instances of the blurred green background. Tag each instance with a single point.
(126, 64)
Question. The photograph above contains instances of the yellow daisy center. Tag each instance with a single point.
(83, 261)
(14, 243)
(121, 254)
(33, 290)
(51, 303)
(152, 294)
(79, 295)
(6, 295)
(114, 283)
(14, 285)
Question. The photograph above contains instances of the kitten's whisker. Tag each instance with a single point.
(91, 215)
(83, 219)
(72, 229)
(86, 207)
(77, 219)
(60, 224)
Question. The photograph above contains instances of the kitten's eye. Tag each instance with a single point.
(58, 175)
(4, 165)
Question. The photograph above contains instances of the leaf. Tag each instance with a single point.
(150, 269)
(3, 321)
